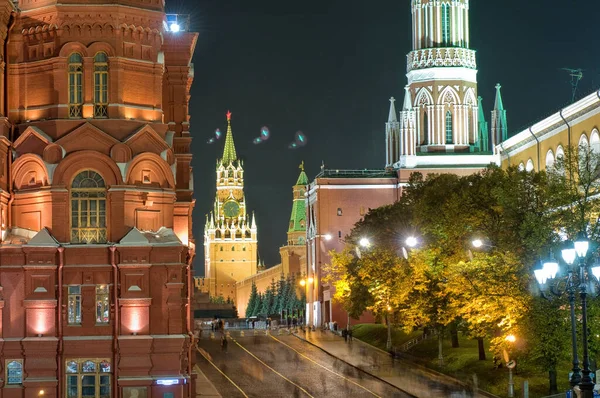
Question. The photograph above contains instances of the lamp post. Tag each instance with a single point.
(510, 364)
(577, 280)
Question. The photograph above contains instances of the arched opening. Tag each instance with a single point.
(75, 85)
(549, 160)
(449, 138)
(88, 208)
(101, 85)
(529, 166)
(425, 128)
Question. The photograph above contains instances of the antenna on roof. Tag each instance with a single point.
(576, 76)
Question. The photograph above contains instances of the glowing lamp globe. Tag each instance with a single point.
(327, 237)
(364, 242)
(477, 243)
(411, 241)
(569, 255)
(302, 282)
(174, 27)
(551, 269)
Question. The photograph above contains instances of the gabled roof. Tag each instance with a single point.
(162, 237)
(85, 137)
(146, 139)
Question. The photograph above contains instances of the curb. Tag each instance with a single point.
(355, 367)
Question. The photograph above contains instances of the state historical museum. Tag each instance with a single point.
(95, 200)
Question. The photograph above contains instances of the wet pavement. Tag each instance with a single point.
(283, 366)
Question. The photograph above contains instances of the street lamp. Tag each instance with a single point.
(412, 241)
(577, 280)
(477, 243)
(364, 242)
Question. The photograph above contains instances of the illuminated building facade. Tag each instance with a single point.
(95, 200)
(230, 233)
(440, 128)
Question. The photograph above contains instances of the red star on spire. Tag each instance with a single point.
(228, 115)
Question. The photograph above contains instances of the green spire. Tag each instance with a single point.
(297, 229)
(499, 106)
(302, 178)
(483, 136)
(229, 154)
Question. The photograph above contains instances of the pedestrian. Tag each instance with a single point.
(224, 343)
(350, 333)
(345, 335)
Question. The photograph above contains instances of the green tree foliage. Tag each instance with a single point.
(252, 301)
(268, 302)
(258, 304)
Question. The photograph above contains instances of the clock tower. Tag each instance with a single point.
(230, 233)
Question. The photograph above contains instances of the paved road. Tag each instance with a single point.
(284, 366)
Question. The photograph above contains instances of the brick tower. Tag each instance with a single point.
(95, 199)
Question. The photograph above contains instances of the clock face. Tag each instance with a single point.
(231, 209)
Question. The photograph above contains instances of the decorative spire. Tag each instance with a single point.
(229, 154)
(407, 100)
(498, 105)
(253, 221)
(302, 178)
(392, 117)
(483, 134)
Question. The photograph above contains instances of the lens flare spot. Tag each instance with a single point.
(218, 134)
(257, 141)
(264, 133)
(211, 141)
(300, 138)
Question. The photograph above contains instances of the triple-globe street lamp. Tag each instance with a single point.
(577, 280)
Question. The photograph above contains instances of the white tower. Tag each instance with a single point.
(440, 111)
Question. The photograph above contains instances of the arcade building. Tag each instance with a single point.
(95, 200)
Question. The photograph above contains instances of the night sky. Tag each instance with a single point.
(328, 67)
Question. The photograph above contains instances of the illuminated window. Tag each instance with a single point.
(339, 211)
(102, 304)
(75, 85)
(88, 378)
(101, 85)
(74, 305)
(14, 371)
(425, 129)
(446, 24)
(449, 139)
(88, 208)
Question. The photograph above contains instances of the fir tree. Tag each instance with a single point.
(268, 302)
(252, 301)
(292, 298)
(257, 305)
(280, 299)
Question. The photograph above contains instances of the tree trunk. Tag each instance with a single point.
(454, 334)
(440, 350)
(481, 349)
(388, 344)
(552, 381)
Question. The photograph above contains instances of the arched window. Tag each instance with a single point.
(549, 160)
(529, 166)
(425, 128)
(88, 208)
(75, 85)
(101, 85)
(446, 24)
(521, 166)
(595, 142)
(14, 372)
(449, 139)
(88, 378)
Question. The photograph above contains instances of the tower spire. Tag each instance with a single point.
(483, 136)
(499, 106)
(499, 123)
(229, 154)
(392, 117)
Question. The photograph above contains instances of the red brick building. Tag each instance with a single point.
(95, 200)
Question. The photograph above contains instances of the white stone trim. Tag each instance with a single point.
(442, 73)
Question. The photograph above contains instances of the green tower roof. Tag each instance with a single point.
(229, 154)
(298, 217)
(302, 178)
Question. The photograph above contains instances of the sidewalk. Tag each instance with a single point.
(409, 377)
(204, 388)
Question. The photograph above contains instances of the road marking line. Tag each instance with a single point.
(273, 370)
(324, 367)
(220, 371)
